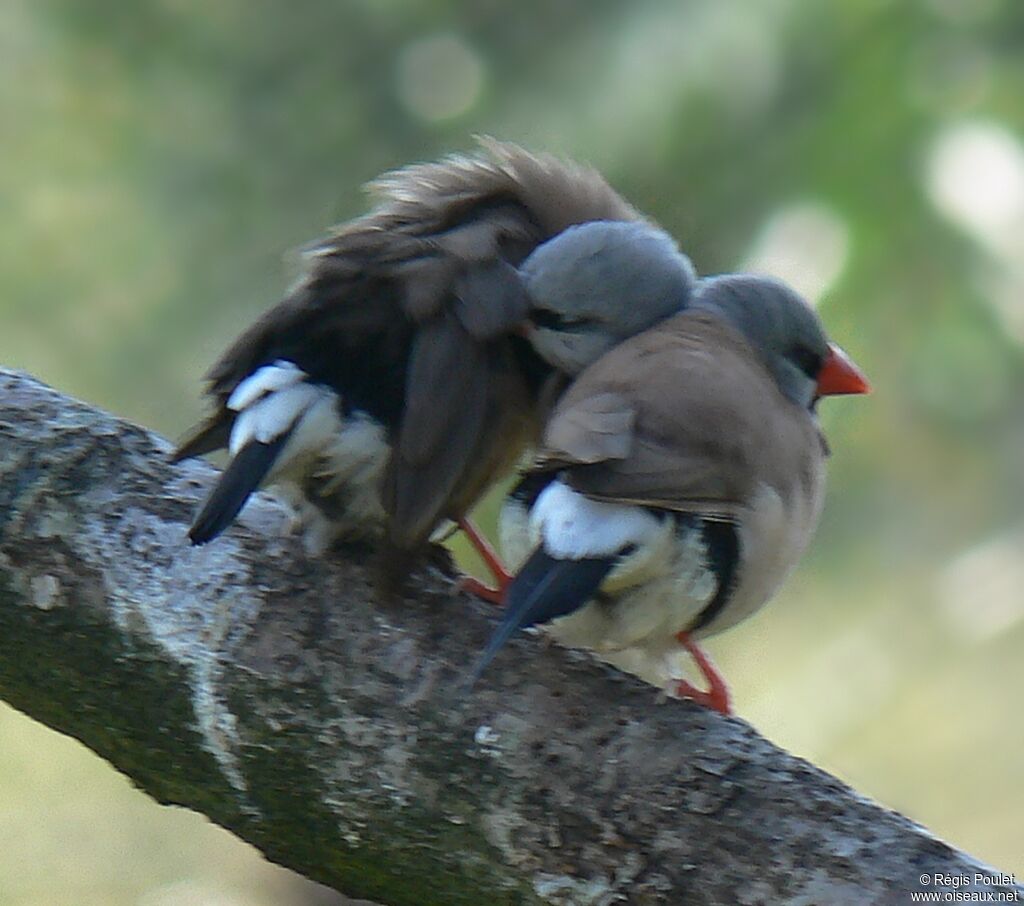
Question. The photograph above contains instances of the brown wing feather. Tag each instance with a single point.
(447, 376)
(598, 427)
(709, 423)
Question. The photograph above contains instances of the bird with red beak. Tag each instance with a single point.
(679, 480)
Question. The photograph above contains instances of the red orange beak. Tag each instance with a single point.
(840, 375)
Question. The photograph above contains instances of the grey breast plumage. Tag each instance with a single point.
(394, 382)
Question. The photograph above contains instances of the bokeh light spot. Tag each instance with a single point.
(976, 179)
(806, 244)
(439, 77)
(979, 592)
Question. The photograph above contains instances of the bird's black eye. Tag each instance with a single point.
(808, 361)
(552, 320)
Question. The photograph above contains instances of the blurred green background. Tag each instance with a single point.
(159, 157)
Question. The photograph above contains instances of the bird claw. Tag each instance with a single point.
(495, 594)
(491, 594)
(716, 696)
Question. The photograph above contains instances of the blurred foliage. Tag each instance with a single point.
(160, 156)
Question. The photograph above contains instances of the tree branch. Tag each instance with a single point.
(272, 693)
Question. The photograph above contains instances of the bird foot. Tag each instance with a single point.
(495, 594)
(492, 594)
(716, 696)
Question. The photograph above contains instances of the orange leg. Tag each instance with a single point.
(716, 696)
(495, 594)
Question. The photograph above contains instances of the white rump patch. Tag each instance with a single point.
(275, 414)
(263, 381)
(277, 399)
(573, 526)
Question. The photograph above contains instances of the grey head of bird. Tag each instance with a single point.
(785, 332)
(596, 284)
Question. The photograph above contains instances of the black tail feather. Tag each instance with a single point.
(544, 589)
(242, 476)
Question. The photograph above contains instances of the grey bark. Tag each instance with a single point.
(331, 727)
